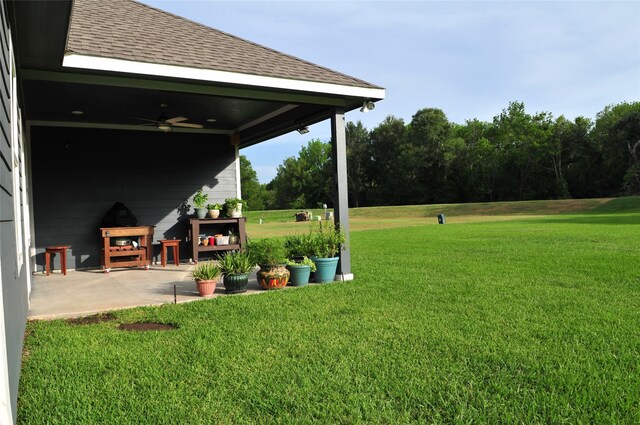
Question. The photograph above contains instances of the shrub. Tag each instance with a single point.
(328, 240)
(299, 245)
(268, 251)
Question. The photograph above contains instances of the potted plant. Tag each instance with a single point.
(200, 203)
(236, 266)
(300, 271)
(299, 246)
(233, 207)
(271, 256)
(206, 275)
(213, 210)
(328, 241)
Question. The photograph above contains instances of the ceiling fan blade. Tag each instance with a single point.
(147, 119)
(176, 120)
(187, 125)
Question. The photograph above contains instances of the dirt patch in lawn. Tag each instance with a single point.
(146, 326)
(90, 320)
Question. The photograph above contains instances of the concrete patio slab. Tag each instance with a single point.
(86, 292)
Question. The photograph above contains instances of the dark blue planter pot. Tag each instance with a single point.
(325, 269)
(299, 275)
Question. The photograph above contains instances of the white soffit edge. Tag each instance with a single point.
(73, 60)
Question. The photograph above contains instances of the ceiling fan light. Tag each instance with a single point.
(164, 127)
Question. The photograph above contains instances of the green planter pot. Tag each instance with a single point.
(325, 269)
(201, 212)
(299, 275)
(235, 283)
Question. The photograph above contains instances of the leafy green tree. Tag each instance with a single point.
(358, 158)
(521, 138)
(387, 169)
(474, 167)
(616, 131)
(255, 193)
(305, 181)
(582, 161)
(628, 130)
(429, 156)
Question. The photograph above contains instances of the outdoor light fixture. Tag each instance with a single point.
(303, 130)
(77, 112)
(367, 106)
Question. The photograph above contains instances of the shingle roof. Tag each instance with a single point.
(125, 29)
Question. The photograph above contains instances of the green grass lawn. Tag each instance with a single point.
(533, 320)
(281, 222)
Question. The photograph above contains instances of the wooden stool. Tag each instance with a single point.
(170, 243)
(62, 250)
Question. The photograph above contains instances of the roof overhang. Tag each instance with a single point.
(113, 92)
(96, 63)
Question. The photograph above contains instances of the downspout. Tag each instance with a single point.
(237, 163)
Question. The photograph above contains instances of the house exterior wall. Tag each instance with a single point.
(78, 174)
(14, 276)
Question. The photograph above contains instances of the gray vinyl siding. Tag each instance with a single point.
(14, 281)
(78, 174)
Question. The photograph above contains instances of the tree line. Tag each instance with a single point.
(516, 156)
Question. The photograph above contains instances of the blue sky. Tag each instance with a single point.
(468, 58)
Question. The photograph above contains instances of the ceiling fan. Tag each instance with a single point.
(166, 124)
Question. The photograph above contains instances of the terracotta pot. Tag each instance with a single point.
(206, 288)
(272, 277)
(213, 213)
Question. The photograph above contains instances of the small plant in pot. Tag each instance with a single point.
(300, 271)
(299, 246)
(200, 203)
(236, 266)
(271, 256)
(233, 207)
(234, 239)
(213, 210)
(206, 275)
(329, 240)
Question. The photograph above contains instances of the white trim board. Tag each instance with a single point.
(73, 60)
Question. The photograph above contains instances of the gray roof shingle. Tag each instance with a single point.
(125, 29)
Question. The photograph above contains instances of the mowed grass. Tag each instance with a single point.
(281, 222)
(533, 320)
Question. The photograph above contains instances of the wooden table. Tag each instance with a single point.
(128, 255)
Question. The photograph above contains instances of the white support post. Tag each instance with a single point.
(341, 199)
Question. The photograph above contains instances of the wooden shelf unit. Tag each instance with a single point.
(126, 256)
(213, 226)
